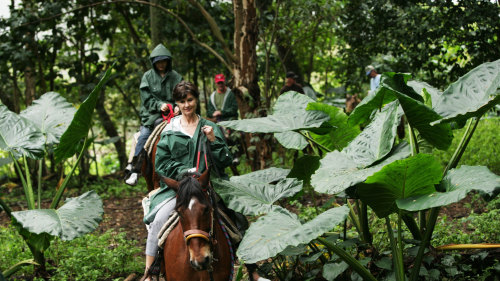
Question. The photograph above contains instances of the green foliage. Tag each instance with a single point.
(92, 257)
(459, 35)
(113, 188)
(484, 144)
(97, 257)
(475, 228)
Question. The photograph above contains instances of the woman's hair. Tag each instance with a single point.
(183, 89)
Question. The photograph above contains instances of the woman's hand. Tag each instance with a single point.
(209, 132)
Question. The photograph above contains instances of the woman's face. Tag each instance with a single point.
(187, 105)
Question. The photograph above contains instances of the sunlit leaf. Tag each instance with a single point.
(405, 178)
(78, 216)
(19, 136)
(51, 114)
(80, 125)
(456, 185)
(338, 171)
(341, 133)
(471, 95)
(274, 232)
(255, 193)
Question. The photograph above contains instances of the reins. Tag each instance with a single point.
(204, 146)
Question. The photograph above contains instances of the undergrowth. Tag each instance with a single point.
(91, 257)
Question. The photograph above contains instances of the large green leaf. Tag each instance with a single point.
(78, 216)
(38, 241)
(255, 193)
(342, 133)
(51, 114)
(290, 114)
(377, 139)
(272, 233)
(304, 167)
(471, 95)
(19, 136)
(456, 184)
(291, 140)
(80, 125)
(333, 270)
(401, 179)
(338, 171)
(382, 96)
(291, 102)
(419, 87)
(268, 175)
(420, 117)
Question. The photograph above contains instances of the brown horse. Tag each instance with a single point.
(148, 169)
(197, 248)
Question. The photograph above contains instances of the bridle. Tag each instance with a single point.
(209, 192)
(207, 236)
(198, 233)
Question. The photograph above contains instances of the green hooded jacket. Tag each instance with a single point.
(156, 90)
(229, 110)
(177, 152)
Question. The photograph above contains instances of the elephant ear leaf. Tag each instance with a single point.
(19, 136)
(274, 232)
(456, 185)
(255, 193)
(365, 155)
(341, 134)
(471, 95)
(51, 114)
(401, 179)
(289, 117)
(80, 125)
(78, 216)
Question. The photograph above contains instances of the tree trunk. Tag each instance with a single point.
(246, 31)
(29, 70)
(12, 100)
(155, 23)
(245, 86)
(111, 130)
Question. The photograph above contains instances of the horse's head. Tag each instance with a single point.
(196, 217)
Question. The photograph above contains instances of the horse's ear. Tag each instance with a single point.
(205, 178)
(171, 183)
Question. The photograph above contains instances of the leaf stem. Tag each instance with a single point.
(23, 180)
(413, 141)
(5, 207)
(40, 163)
(354, 218)
(352, 262)
(61, 189)
(462, 145)
(433, 215)
(315, 142)
(398, 270)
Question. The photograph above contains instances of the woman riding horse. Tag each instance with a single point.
(176, 155)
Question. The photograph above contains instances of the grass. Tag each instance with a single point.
(108, 256)
(483, 149)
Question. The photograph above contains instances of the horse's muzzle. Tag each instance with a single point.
(201, 265)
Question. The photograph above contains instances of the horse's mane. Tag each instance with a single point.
(189, 187)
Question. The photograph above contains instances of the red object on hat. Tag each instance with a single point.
(220, 78)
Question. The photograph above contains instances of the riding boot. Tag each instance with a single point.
(134, 173)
